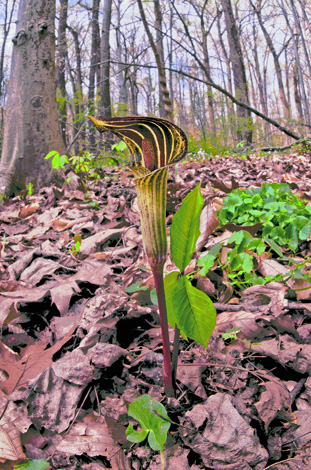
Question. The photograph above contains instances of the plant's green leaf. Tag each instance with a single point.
(170, 282)
(247, 262)
(136, 436)
(154, 297)
(185, 228)
(39, 464)
(231, 333)
(135, 288)
(208, 262)
(119, 147)
(51, 154)
(194, 311)
(144, 410)
(305, 232)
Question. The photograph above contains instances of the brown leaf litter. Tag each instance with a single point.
(76, 349)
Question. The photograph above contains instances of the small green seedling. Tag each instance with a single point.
(29, 189)
(38, 464)
(75, 248)
(231, 333)
(135, 288)
(154, 422)
(58, 161)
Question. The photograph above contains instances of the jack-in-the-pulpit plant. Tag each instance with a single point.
(155, 144)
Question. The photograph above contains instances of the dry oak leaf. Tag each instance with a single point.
(274, 400)
(208, 224)
(13, 421)
(61, 224)
(28, 210)
(35, 358)
(92, 436)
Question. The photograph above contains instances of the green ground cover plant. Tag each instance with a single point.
(286, 218)
(240, 263)
(154, 422)
(286, 223)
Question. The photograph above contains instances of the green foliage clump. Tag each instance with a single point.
(240, 261)
(285, 217)
(153, 419)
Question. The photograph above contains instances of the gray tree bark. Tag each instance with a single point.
(31, 127)
(166, 109)
(105, 101)
(304, 99)
(285, 104)
(61, 65)
(94, 67)
(239, 75)
(9, 8)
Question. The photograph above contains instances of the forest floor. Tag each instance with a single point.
(76, 349)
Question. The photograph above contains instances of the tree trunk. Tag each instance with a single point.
(305, 105)
(122, 71)
(231, 111)
(160, 49)
(94, 66)
(61, 66)
(8, 15)
(160, 62)
(105, 101)
(278, 71)
(76, 76)
(297, 92)
(239, 75)
(31, 127)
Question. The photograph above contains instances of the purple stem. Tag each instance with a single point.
(157, 271)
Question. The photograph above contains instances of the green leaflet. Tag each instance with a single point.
(194, 311)
(39, 464)
(170, 282)
(156, 428)
(185, 229)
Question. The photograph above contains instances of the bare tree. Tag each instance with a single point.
(105, 100)
(9, 8)
(61, 66)
(239, 75)
(304, 100)
(158, 53)
(275, 56)
(94, 62)
(31, 127)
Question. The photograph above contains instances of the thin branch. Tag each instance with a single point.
(226, 93)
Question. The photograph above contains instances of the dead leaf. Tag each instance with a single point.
(91, 244)
(91, 436)
(304, 294)
(275, 400)
(13, 422)
(225, 437)
(28, 210)
(62, 224)
(35, 358)
(208, 224)
(220, 185)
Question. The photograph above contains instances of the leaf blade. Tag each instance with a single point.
(185, 228)
(194, 311)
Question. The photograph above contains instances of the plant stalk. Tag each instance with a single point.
(163, 463)
(157, 271)
(175, 354)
